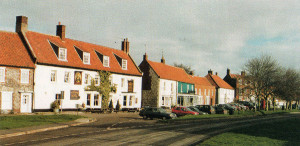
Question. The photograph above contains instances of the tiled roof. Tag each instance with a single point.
(220, 82)
(13, 51)
(46, 55)
(170, 72)
(200, 81)
(235, 75)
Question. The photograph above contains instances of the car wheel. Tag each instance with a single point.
(145, 117)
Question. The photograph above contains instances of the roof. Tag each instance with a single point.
(235, 75)
(13, 51)
(45, 54)
(200, 81)
(220, 82)
(170, 72)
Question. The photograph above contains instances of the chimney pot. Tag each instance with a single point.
(21, 23)
(216, 73)
(210, 72)
(163, 60)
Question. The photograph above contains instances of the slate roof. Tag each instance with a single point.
(13, 52)
(45, 54)
(168, 72)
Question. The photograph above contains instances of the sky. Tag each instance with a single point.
(203, 34)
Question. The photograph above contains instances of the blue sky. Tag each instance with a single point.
(203, 34)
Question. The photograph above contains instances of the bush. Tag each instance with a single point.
(55, 104)
(118, 106)
(110, 106)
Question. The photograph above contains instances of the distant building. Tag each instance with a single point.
(204, 90)
(165, 85)
(224, 92)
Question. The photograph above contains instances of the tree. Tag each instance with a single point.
(110, 106)
(187, 68)
(118, 106)
(288, 87)
(105, 87)
(262, 73)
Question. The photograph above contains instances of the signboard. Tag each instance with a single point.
(74, 95)
(77, 77)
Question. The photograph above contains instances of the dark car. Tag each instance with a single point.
(221, 110)
(206, 108)
(182, 111)
(227, 107)
(193, 108)
(154, 112)
(248, 104)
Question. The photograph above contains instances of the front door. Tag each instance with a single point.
(26, 102)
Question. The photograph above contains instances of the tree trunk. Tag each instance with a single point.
(267, 106)
(273, 103)
(258, 104)
(290, 105)
(286, 105)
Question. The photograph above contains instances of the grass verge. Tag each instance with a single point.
(285, 132)
(10, 122)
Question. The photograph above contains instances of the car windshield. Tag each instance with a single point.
(189, 109)
(161, 110)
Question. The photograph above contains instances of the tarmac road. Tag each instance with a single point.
(130, 129)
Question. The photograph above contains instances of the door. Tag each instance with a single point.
(26, 102)
(6, 101)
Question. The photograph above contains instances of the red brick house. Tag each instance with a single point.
(16, 73)
(204, 90)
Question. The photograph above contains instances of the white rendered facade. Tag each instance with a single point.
(225, 96)
(167, 93)
(47, 86)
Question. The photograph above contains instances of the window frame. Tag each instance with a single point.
(59, 54)
(2, 80)
(88, 55)
(67, 77)
(105, 61)
(124, 64)
(27, 79)
(55, 76)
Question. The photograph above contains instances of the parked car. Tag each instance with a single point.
(220, 110)
(206, 108)
(154, 112)
(227, 107)
(181, 111)
(248, 104)
(193, 108)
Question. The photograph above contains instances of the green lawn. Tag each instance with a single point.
(285, 132)
(10, 122)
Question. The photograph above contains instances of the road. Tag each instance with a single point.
(130, 129)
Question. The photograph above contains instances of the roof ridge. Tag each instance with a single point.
(8, 31)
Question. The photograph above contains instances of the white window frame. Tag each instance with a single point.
(205, 92)
(124, 64)
(162, 100)
(106, 61)
(67, 77)
(24, 79)
(2, 74)
(55, 76)
(199, 91)
(86, 78)
(122, 82)
(62, 57)
(86, 58)
(97, 80)
(195, 91)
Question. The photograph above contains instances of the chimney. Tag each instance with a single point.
(228, 71)
(192, 73)
(216, 73)
(61, 31)
(243, 73)
(210, 72)
(125, 46)
(163, 60)
(21, 23)
(145, 56)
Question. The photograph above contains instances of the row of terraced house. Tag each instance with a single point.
(37, 69)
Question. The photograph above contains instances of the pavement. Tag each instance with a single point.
(41, 128)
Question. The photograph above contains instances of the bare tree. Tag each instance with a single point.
(262, 73)
(187, 68)
(288, 87)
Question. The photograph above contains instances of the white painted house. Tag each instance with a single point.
(65, 67)
(224, 92)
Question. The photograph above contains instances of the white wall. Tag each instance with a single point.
(45, 90)
(166, 90)
(225, 95)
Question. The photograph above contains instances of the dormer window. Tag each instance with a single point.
(105, 61)
(86, 58)
(62, 54)
(124, 64)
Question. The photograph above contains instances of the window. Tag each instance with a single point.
(24, 76)
(130, 100)
(204, 91)
(96, 100)
(136, 100)
(162, 100)
(2, 74)
(124, 100)
(62, 54)
(86, 79)
(195, 91)
(86, 58)
(124, 64)
(130, 86)
(97, 80)
(208, 92)
(67, 77)
(88, 99)
(199, 91)
(105, 61)
(53, 76)
(192, 88)
(187, 88)
(172, 86)
(181, 88)
(122, 82)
